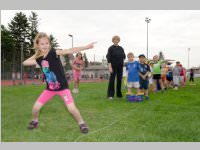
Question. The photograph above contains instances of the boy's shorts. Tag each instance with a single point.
(176, 80)
(182, 78)
(151, 81)
(164, 78)
(156, 76)
(169, 78)
(133, 85)
(144, 84)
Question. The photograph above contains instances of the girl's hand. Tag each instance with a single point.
(91, 45)
(143, 77)
(78, 69)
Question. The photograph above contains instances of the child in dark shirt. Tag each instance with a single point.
(143, 73)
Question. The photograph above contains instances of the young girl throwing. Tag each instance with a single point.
(49, 61)
(78, 64)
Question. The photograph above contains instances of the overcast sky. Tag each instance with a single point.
(172, 32)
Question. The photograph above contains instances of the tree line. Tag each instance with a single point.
(17, 42)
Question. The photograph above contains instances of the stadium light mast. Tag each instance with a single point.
(189, 58)
(72, 39)
(147, 20)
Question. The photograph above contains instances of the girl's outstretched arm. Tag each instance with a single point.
(75, 49)
(30, 61)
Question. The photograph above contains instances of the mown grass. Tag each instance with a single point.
(170, 116)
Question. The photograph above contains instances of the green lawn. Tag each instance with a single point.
(170, 116)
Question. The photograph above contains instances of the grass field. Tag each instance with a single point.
(170, 116)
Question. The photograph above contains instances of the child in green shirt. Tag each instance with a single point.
(157, 72)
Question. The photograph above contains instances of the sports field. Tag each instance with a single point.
(169, 116)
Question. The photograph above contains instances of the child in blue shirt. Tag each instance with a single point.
(132, 68)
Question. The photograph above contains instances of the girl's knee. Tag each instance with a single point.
(35, 110)
(72, 109)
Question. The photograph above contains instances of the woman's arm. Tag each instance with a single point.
(31, 61)
(74, 66)
(75, 49)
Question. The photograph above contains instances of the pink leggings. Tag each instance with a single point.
(47, 95)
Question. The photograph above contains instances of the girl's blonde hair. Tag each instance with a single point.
(130, 54)
(36, 41)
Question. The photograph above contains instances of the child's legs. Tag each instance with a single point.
(137, 86)
(75, 113)
(35, 111)
(130, 85)
(161, 84)
(175, 80)
(155, 84)
(165, 82)
(129, 90)
(192, 79)
(78, 82)
(146, 92)
(75, 83)
(41, 101)
(146, 86)
(141, 86)
(76, 76)
(137, 91)
(69, 102)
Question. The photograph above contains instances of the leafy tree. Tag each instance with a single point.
(7, 48)
(33, 30)
(19, 27)
(85, 60)
(53, 41)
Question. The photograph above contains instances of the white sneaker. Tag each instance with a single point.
(110, 98)
(176, 88)
(74, 91)
(77, 90)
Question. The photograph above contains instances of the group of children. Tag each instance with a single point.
(137, 74)
(154, 75)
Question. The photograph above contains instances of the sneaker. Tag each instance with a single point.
(75, 90)
(84, 128)
(33, 125)
(110, 98)
(176, 88)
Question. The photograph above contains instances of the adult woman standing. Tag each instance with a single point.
(115, 58)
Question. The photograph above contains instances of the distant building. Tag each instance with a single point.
(96, 71)
(196, 71)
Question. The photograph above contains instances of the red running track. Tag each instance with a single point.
(38, 82)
